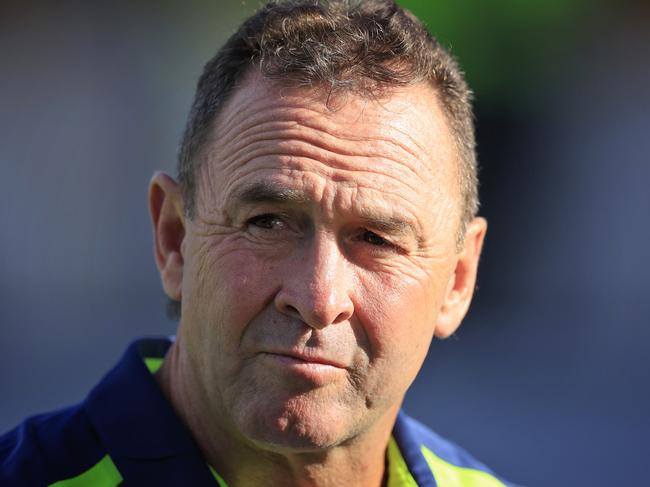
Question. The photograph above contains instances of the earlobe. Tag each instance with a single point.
(462, 282)
(166, 208)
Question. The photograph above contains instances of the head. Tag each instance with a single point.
(322, 229)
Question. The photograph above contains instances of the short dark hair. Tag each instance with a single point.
(350, 45)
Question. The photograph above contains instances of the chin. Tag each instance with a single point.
(297, 427)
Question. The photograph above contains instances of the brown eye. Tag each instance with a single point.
(267, 221)
(373, 239)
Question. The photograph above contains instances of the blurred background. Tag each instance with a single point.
(547, 380)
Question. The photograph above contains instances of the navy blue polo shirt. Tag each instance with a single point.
(126, 433)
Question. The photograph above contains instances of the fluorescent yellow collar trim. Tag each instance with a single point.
(153, 363)
(398, 471)
(220, 481)
(103, 474)
(448, 475)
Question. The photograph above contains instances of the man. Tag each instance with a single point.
(321, 232)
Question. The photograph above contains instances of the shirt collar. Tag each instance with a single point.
(130, 413)
(134, 420)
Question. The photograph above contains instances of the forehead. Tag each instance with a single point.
(394, 146)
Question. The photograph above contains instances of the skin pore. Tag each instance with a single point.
(321, 261)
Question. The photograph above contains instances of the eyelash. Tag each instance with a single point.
(364, 235)
(368, 235)
(260, 218)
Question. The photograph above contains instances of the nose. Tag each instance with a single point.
(316, 285)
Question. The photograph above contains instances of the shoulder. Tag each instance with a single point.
(49, 447)
(123, 432)
(426, 453)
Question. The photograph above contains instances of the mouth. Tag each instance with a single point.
(310, 358)
(316, 369)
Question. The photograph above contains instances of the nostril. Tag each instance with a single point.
(292, 310)
(341, 317)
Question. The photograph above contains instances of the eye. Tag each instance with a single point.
(376, 244)
(267, 221)
(373, 239)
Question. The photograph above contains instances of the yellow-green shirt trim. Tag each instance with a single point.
(153, 363)
(448, 475)
(220, 481)
(398, 472)
(103, 474)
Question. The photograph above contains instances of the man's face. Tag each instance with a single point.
(321, 254)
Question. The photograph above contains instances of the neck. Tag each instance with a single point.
(359, 461)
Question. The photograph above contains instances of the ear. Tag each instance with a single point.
(460, 288)
(167, 217)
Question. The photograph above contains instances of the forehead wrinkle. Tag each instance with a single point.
(287, 147)
(246, 110)
(253, 88)
(250, 117)
(242, 121)
(287, 164)
(354, 181)
(256, 94)
(294, 152)
(323, 133)
(337, 166)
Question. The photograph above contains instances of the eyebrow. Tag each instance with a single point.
(269, 192)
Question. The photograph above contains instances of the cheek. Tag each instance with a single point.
(247, 284)
(398, 316)
(224, 289)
